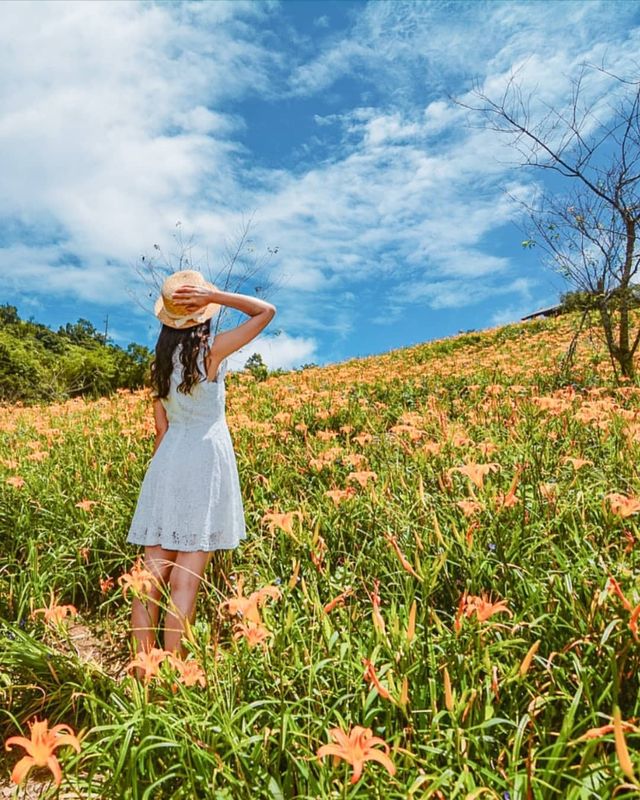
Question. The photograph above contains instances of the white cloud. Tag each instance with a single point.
(408, 48)
(116, 123)
(47, 272)
(413, 191)
(283, 351)
(510, 314)
(440, 294)
(108, 125)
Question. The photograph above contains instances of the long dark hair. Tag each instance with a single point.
(193, 340)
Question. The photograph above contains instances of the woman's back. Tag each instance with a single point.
(203, 405)
(190, 497)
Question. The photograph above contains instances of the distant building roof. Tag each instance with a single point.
(551, 311)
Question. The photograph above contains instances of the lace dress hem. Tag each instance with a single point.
(177, 540)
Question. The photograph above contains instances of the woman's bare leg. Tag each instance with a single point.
(184, 581)
(145, 613)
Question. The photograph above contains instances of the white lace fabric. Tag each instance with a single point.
(190, 498)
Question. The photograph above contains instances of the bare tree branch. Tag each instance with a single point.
(589, 235)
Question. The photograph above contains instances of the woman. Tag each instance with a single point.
(190, 502)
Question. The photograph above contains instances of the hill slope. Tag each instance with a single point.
(445, 542)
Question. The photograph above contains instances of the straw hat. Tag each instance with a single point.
(175, 315)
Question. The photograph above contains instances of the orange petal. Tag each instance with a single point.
(54, 766)
(19, 740)
(382, 758)
(21, 768)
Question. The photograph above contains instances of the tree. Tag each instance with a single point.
(82, 332)
(590, 235)
(133, 365)
(257, 367)
(9, 314)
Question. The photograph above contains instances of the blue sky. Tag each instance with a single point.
(327, 124)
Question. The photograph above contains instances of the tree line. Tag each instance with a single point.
(38, 364)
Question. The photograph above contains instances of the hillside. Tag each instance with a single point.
(444, 539)
(38, 364)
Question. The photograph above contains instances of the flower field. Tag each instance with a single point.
(438, 596)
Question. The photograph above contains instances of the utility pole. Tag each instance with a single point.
(106, 327)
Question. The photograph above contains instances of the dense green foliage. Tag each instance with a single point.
(446, 479)
(38, 364)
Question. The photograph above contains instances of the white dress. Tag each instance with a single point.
(190, 497)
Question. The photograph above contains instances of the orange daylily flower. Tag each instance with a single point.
(86, 505)
(16, 481)
(353, 459)
(356, 748)
(106, 584)
(577, 463)
(149, 661)
(338, 495)
(325, 435)
(38, 455)
(140, 579)
(432, 448)
(460, 440)
(362, 477)
(621, 505)
(509, 499)
(283, 521)
(41, 748)
(190, 671)
(254, 632)
(476, 472)
(412, 432)
(482, 607)
(248, 605)
(325, 459)
(339, 600)
(54, 613)
(371, 677)
(469, 507)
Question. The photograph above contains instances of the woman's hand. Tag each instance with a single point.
(192, 297)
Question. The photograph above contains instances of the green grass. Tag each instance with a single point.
(254, 729)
